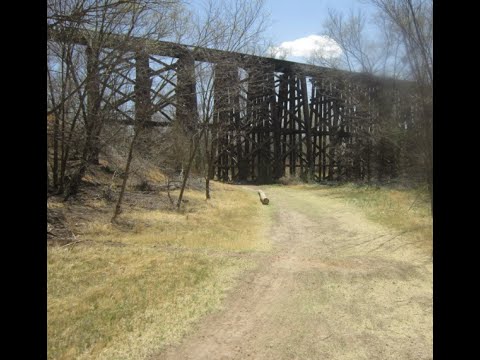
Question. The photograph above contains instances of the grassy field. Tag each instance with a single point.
(406, 211)
(344, 281)
(123, 292)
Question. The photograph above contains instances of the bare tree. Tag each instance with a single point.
(404, 51)
(90, 77)
(85, 80)
(412, 21)
(360, 53)
(233, 26)
(143, 104)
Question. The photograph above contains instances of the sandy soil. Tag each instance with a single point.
(336, 286)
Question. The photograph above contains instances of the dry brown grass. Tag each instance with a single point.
(229, 221)
(405, 210)
(154, 174)
(121, 294)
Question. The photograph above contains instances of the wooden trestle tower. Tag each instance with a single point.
(271, 117)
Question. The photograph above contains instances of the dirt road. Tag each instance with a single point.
(335, 286)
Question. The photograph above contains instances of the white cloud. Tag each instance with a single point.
(320, 45)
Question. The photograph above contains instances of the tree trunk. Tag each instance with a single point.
(194, 144)
(63, 165)
(48, 180)
(118, 207)
(55, 151)
(428, 119)
(207, 188)
(71, 188)
(193, 148)
(263, 197)
(210, 174)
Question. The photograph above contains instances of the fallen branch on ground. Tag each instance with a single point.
(263, 197)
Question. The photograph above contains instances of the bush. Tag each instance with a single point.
(108, 193)
(145, 186)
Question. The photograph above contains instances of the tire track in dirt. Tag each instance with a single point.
(325, 291)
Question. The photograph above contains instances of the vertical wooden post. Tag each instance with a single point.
(308, 129)
(219, 118)
(292, 121)
(248, 150)
(283, 117)
(186, 94)
(274, 109)
(339, 130)
(323, 117)
(258, 115)
(314, 114)
(331, 131)
(226, 110)
(143, 85)
(237, 128)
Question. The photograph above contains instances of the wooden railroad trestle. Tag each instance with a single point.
(271, 117)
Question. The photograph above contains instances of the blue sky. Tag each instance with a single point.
(296, 26)
(292, 19)
(295, 19)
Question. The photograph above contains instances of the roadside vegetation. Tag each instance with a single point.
(127, 290)
(141, 241)
(407, 210)
(123, 291)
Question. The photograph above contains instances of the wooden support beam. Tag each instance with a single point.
(292, 123)
(143, 85)
(186, 94)
(175, 50)
(256, 133)
(226, 117)
(308, 128)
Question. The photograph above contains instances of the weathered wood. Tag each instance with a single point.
(186, 94)
(263, 123)
(263, 197)
(143, 84)
(175, 50)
